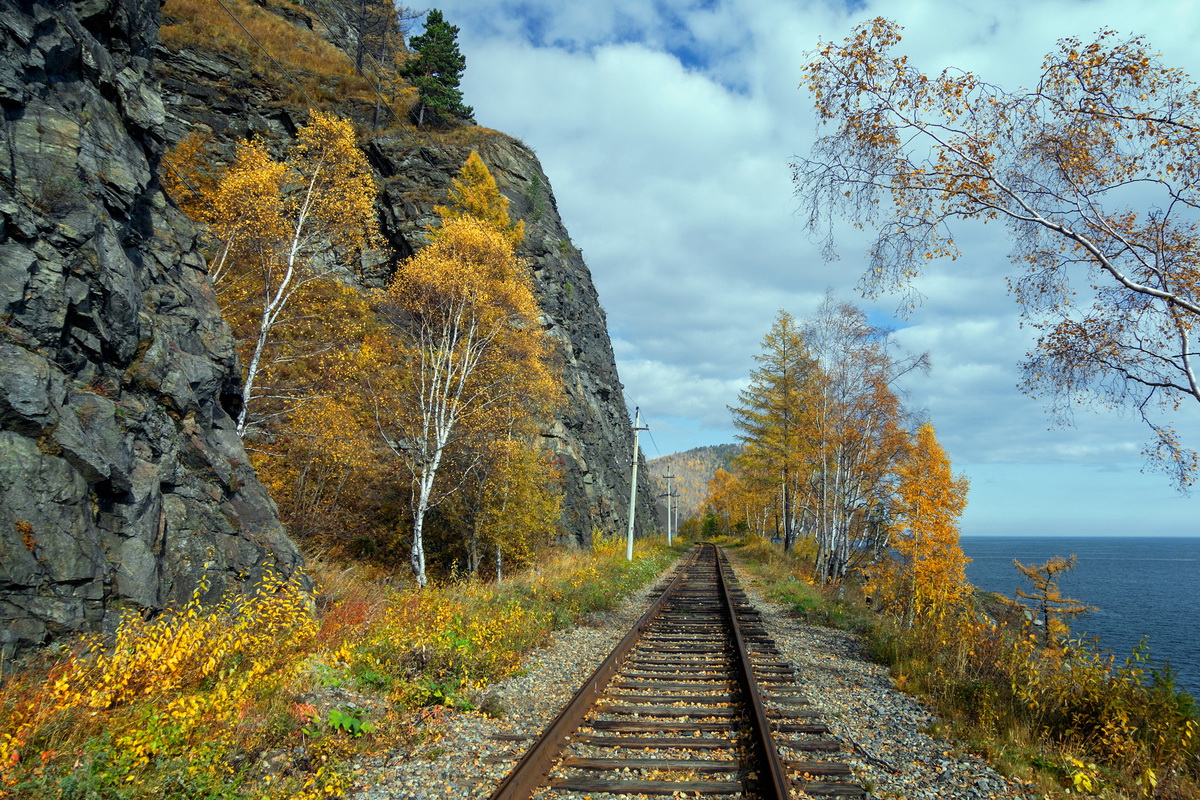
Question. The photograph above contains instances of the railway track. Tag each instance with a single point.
(695, 700)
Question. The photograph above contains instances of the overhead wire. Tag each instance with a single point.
(282, 68)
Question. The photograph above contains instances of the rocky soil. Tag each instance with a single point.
(466, 754)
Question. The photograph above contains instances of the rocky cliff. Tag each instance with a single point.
(592, 437)
(219, 93)
(122, 482)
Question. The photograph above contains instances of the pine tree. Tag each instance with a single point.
(436, 69)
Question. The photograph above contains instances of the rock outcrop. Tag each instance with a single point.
(219, 94)
(123, 484)
(592, 437)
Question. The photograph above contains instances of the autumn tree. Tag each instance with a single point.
(854, 424)
(471, 345)
(510, 504)
(280, 226)
(435, 69)
(474, 194)
(723, 497)
(931, 573)
(1094, 172)
(770, 417)
(505, 464)
(1048, 598)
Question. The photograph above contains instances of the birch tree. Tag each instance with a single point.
(465, 309)
(853, 425)
(279, 226)
(1093, 170)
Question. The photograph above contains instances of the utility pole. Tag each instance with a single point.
(675, 511)
(637, 426)
(669, 479)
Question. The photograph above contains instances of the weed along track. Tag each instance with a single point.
(694, 699)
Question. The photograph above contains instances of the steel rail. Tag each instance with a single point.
(775, 785)
(526, 777)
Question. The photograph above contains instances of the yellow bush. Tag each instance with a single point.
(163, 687)
(1070, 697)
(164, 708)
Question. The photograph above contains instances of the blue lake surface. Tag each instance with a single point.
(1144, 587)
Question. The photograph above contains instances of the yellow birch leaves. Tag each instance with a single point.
(448, 369)
(476, 374)
(1094, 171)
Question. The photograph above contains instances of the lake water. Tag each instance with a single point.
(1144, 587)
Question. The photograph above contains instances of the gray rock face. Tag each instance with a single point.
(122, 484)
(592, 438)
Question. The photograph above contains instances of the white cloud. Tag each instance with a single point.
(666, 129)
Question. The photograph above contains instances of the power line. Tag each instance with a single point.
(283, 69)
(650, 433)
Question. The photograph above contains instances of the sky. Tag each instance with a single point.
(667, 129)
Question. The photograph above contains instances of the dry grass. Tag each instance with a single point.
(325, 72)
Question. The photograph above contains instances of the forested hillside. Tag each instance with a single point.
(260, 346)
(693, 469)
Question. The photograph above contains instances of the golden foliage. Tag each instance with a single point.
(1048, 598)
(1113, 291)
(183, 705)
(1069, 707)
(723, 499)
(171, 690)
(693, 469)
(474, 361)
(279, 226)
(325, 374)
(821, 429)
(929, 577)
(474, 194)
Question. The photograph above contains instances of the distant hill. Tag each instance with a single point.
(693, 469)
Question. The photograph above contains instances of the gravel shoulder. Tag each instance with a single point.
(881, 728)
(467, 753)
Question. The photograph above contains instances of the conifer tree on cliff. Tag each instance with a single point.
(435, 69)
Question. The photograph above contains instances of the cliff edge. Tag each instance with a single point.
(123, 484)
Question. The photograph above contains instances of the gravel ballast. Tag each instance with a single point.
(465, 754)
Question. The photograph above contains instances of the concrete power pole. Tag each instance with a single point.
(669, 479)
(637, 426)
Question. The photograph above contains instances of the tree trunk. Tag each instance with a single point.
(425, 490)
(473, 554)
(418, 546)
